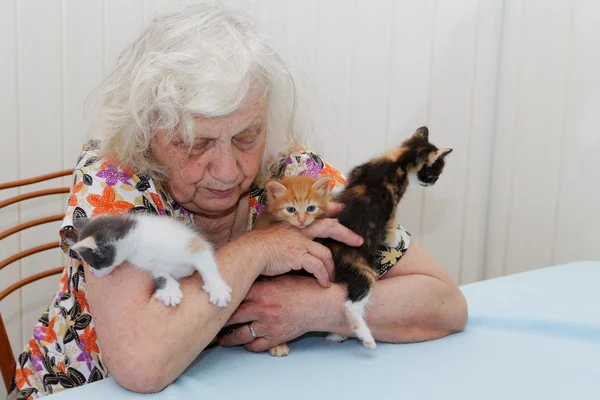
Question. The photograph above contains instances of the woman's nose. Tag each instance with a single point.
(224, 166)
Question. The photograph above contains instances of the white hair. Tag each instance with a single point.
(200, 60)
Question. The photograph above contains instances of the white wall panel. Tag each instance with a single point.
(410, 71)
(575, 235)
(511, 85)
(41, 122)
(449, 117)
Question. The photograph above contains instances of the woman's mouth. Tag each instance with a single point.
(222, 193)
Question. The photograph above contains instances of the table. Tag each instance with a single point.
(533, 335)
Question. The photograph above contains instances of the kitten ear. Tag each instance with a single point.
(322, 185)
(441, 153)
(88, 243)
(275, 188)
(422, 132)
(80, 223)
(445, 152)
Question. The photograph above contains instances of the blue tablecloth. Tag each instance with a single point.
(534, 335)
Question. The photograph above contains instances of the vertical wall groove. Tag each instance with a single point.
(351, 88)
(495, 128)
(389, 77)
(19, 152)
(563, 131)
(63, 85)
(429, 97)
(469, 147)
(512, 146)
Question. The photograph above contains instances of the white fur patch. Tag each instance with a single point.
(335, 338)
(397, 238)
(171, 294)
(413, 179)
(219, 292)
(362, 331)
(87, 243)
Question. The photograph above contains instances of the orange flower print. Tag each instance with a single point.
(157, 201)
(22, 376)
(253, 202)
(61, 366)
(50, 333)
(73, 198)
(106, 204)
(64, 282)
(33, 347)
(328, 170)
(89, 335)
(82, 300)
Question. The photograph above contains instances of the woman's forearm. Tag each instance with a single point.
(408, 308)
(147, 345)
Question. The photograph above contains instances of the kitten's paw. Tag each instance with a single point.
(281, 350)
(396, 238)
(335, 338)
(171, 296)
(219, 293)
(369, 342)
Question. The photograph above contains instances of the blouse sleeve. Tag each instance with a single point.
(306, 162)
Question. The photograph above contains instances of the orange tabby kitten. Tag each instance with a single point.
(298, 200)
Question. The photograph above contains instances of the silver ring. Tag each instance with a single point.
(252, 331)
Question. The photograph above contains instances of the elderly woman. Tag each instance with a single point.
(189, 125)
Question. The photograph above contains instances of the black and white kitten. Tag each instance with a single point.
(165, 247)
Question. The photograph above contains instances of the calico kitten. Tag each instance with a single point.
(371, 196)
(297, 200)
(165, 247)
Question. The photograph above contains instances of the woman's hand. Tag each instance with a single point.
(285, 247)
(280, 309)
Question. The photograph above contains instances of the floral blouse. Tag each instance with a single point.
(63, 351)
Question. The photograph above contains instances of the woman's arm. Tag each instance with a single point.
(415, 301)
(146, 345)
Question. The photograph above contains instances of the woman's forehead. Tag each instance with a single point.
(250, 114)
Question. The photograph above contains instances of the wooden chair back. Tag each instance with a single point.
(7, 358)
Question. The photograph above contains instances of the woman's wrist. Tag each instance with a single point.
(329, 310)
(247, 251)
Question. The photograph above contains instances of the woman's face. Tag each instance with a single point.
(223, 162)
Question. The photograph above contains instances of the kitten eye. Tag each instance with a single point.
(291, 210)
(311, 208)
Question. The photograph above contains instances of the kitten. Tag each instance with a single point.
(165, 247)
(371, 196)
(299, 201)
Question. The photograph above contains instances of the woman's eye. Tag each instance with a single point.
(291, 210)
(311, 208)
(197, 148)
(246, 138)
